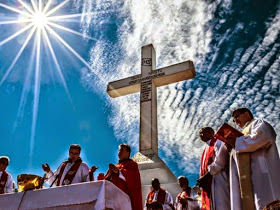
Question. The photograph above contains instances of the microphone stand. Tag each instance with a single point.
(54, 180)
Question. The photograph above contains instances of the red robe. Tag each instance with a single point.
(132, 185)
(206, 159)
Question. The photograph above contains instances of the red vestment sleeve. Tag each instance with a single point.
(132, 183)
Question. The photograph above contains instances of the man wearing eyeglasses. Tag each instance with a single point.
(259, 143)
(6, 181)
(72, 171)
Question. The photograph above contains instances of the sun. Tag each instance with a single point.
(40, 18)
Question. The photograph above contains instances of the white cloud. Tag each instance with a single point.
(183, 30)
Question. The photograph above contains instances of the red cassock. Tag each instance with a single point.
(132, 185)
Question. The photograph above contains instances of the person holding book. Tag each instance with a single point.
(258, 141)
(214, 172)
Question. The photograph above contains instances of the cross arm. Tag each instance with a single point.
(124, 86)
(163, 76)
(175, 73)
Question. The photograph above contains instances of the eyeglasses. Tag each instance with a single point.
(236, 117)
(74, 153)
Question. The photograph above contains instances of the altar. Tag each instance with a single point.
(97, 195)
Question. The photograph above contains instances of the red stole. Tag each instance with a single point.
(160, 197)
(206, 159)
(185, 195)
(3, 181)
(132, 185)
(70, 174)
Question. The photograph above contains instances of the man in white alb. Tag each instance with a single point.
(72, 171)
(6, 181)
(158, 198)
(214, 172)
(259, 141)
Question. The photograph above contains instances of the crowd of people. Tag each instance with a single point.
(252, 159)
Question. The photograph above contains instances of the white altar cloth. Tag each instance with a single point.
(97, 195)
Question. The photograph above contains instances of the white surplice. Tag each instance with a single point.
(192, 205)
(265, 165)
(167, 201)
(220, 182)
(9, 184)
(80, 176)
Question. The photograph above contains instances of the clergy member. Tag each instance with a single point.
(72, 171)
(259, 141)
(125, 175)
(158, 198)
(6, 181)
(187, 198)
(214, 172)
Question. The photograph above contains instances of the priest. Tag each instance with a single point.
(259, 142)
(187, 199)
(125, 175)
(158, 198)
(6, 181)
(214, 172)
(72, 171)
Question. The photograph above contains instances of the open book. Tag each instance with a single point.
(226, 131)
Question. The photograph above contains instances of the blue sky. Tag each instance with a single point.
(233, 44)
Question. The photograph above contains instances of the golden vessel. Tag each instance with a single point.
(29, 182)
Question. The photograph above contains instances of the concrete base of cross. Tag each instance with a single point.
(152, 166)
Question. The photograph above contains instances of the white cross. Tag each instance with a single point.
(146, 83)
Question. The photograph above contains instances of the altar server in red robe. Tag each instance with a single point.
(6, 181)
(72, 171)
(125, 175)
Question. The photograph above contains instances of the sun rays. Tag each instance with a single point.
(38, 19)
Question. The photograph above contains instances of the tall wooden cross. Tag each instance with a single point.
(147, 83)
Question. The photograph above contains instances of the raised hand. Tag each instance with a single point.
(93, 169)
(46, 168)
(113, 168)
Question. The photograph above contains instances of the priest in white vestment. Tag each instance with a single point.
(218, 167)
(158, 198)
(259, 140)
(219, 170)
(6, 180)
(187, 199)
(72, 171)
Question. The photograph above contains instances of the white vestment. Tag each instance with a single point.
(192, 205)
(168, 199)
(220, 182)
(265, 165)
(80, 176)
(9, 184)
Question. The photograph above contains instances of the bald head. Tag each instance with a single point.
(206, 133)
(155, 184)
